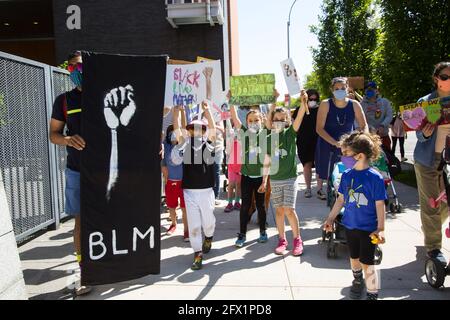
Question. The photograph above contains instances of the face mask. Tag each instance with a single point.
(370, 94)
(340, 94)
(279, 126)
(76, 77)
(173, 137)
(254, 127)
(444, 85)
(312, 104)
(349, 162)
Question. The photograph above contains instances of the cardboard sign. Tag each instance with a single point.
(356, 83)
(291, 77)
(252, 89)
(190, 84)
(417, 115)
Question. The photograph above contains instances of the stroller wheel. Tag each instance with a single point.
(332, 250)
(398, 208)
(435, 273)
(378, 256)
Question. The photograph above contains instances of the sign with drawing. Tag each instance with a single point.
(291, 77)
(417, 115)
(190, 84)
(252, 89)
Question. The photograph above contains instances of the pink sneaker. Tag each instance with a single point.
(171, 230)
(229, 207)
(281, 248)
(298, 247)
(237, 206)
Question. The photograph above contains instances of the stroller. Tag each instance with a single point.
(436, 270)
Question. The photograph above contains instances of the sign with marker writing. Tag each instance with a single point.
(252, 89)
(291, 77)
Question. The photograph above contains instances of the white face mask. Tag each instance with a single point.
(312, 104)
(279, 126)
(254, 127)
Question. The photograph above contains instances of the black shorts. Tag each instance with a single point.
(360, 246)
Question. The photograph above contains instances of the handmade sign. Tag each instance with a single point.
(417, 115)
(190, 84)
(122, 119)
(252, 89)
(221, 111)
(356, 83)
(291, 77)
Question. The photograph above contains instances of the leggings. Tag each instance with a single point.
(250, 186)
(402, 145)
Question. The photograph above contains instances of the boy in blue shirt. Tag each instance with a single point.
(362, 192)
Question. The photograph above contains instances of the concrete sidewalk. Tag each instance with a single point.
(253, 272)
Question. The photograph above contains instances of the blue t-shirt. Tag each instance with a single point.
(361, 189)
(175, 170)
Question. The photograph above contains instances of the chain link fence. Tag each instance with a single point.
(32, 168)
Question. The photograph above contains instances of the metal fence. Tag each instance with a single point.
(32, 168)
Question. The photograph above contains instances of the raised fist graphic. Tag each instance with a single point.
(119, 109)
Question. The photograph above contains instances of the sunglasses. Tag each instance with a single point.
(444, 77)
(77, 66)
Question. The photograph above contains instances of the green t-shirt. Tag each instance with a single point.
(253, 152)
(283, 165)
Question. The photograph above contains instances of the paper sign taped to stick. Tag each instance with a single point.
(356, 83)
(190, 84)
(417, 115)
(221, 111)
(252, 89)
(291, 77)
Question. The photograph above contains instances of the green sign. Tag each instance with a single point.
(252, 90)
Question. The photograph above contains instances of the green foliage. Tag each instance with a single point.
(345, 41)
(397, 43)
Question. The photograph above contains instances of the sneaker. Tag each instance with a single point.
(298, 247)
(217, 202)
(404, 159)
(357, 289)
(229, 207)
(308, 193)
(321, 195)
(171, 229)
(263, 238)
(372, 296)
(240, 240)
(281, 248)
(197, 264)
(186, 236)
(437, 254)
(82, 290)
(207, 243)
(237, 206)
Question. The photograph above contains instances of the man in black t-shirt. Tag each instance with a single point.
(67, 114)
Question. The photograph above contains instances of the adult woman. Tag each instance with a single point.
(336, 117)
(307, 138)
(427, 156)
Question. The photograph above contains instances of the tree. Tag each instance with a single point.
(414, 37)
(346, 42)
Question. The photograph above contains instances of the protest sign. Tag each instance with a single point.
(291, 77)
(356, 83)
(190, 84)
(417, 115)
(252, 89)
(121, 124)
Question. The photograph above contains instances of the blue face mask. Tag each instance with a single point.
(348, 162)
(340, 94)
(77, 77)
(370, 94)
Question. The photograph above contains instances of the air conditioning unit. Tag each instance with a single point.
(184, 12)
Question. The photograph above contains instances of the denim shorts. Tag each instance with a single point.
(72, 192)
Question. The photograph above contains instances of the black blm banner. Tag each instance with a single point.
(122, 106)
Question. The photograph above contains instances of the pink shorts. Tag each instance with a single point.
(233, 177)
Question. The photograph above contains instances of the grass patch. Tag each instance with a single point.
(407, 177)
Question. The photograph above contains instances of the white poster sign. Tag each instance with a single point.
(291, 77)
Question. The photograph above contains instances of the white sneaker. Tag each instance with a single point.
(82, 290)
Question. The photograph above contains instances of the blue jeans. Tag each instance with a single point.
(72, 192)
